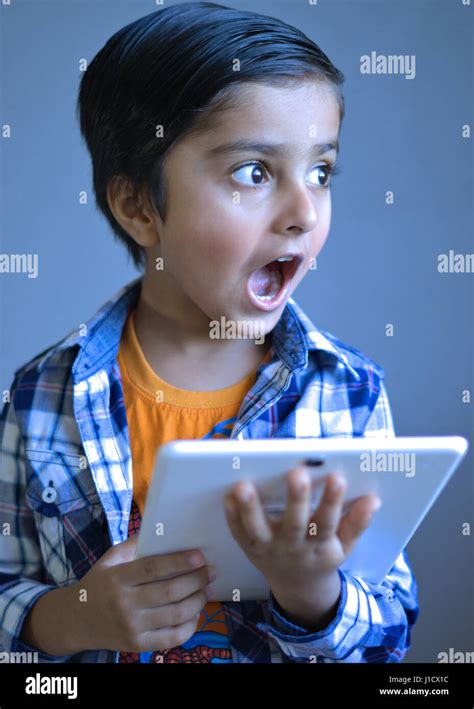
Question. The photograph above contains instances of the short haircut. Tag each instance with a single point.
(175, 68)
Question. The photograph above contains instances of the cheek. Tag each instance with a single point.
(324, 222)
(210, 235)
(319, 240)
(318, 237)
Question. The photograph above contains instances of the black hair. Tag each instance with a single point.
(176, 68)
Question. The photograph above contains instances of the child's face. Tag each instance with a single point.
(219, 229)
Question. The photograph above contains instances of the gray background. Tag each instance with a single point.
(379, 264)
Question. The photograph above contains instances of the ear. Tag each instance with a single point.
(132, 211)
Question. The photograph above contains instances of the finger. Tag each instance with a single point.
(357, 520)
(158, 566)
(165, 638)
(175, 589)
(327, 515)
(250, 514)
(174, 613)
(120, 553)
(294, 522)
(234, 521)
(159, 593)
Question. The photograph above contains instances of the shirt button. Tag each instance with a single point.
(49, 494)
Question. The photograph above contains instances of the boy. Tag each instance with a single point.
(213, 135)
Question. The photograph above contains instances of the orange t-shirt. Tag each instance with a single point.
(158, 412)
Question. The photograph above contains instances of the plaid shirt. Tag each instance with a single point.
(66, 482)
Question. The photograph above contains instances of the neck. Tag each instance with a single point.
(181, 351)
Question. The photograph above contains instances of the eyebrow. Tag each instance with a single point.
(268, 148)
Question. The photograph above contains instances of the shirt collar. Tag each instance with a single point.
(293, 336)
(99, 339)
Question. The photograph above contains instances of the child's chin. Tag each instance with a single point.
(245, 323)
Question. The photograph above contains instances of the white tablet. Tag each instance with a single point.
(185, 503)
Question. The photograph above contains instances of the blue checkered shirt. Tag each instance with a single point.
(66, 482)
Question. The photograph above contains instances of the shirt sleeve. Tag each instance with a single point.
(372, 623)
(20, 552)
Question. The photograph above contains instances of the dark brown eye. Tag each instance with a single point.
(257, 174)
(254, 174)
(325, 170)
(329, 171)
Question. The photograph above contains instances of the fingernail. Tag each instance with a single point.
(338, 484)
(208, 590)
(211, 573)
(246, 493)
(302, 484)
(195, 559)
(376, 504)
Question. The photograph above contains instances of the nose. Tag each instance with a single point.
(298, 212)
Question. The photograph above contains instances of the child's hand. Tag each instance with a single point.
(299, 554)
(131, 607)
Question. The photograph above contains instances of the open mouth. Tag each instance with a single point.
(268, 285)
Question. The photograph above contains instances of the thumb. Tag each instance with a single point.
(120, 553)
(356, 521)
